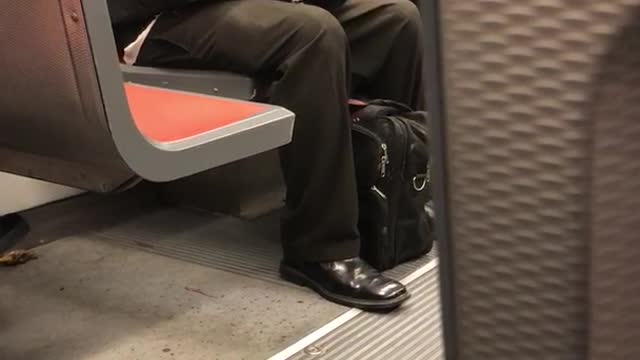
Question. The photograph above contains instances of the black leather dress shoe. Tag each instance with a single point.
(12, 229)
(350, 282)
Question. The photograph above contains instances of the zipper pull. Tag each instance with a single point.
(384, 160)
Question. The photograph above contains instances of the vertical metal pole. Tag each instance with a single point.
(430, 10)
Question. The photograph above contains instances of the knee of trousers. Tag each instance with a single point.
(405, 12)
(317, 27)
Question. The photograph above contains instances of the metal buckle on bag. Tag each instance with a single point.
(422, 186)
(421, 177)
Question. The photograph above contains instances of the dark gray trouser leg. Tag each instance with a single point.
(387, 46)
(307, 50)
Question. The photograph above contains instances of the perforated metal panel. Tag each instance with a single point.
(541, 159)
(52, 119)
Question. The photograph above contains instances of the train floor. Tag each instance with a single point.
(173, 283)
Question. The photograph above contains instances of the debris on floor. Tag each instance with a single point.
(197, 291)
(17, 257)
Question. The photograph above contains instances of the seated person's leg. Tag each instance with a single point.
(387, 47)
(307, 51)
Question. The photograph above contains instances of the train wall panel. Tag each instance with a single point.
(540, 157)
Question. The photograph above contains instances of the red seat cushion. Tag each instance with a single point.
(165, 115)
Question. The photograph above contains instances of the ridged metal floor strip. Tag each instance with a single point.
(249, 248)
(413, 332)
(219, 242)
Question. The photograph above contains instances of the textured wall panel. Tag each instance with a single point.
(615, 253)
(520, 81)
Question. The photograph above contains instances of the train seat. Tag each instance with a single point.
(72, 116)
(166, 116)
(217, 83)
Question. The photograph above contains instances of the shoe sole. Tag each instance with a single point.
(12, 229)
(294, 276)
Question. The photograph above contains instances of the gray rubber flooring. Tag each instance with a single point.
(213, 294)
(250, 249)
